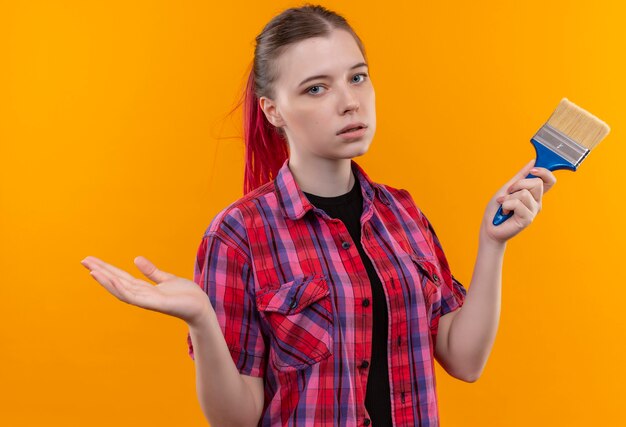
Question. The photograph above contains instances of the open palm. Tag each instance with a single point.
(172, 295)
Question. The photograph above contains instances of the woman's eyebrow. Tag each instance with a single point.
(324, 76)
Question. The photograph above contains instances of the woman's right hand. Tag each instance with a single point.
(172, 295)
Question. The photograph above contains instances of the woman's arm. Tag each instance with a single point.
(466, 336)
(227, 397)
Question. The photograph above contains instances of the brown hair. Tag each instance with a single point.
(266, 147)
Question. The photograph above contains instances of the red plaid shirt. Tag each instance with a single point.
(292, 297)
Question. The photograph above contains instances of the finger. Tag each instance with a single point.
(521, 174)
(110, 285)
(129, 290)
(534, 185)
(92, 261)
(150, 270)
(546, 176)
(519, 209)
(131, 286)
(522, 195)
(528, 200)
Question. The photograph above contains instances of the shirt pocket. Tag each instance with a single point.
(300, 316)
(430, 271)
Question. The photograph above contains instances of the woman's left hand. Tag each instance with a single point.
(522, 196)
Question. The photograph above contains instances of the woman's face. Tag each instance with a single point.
(312, 109)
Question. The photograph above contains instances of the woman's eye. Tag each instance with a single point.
(313, 87)
(311, 92)
(362, 74)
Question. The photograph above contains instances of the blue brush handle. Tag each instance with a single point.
(546, 158)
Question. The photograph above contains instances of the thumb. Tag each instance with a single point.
(520, 175)
(150, 270)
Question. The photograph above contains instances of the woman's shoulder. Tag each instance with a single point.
(393, 191)
(232, 218)
(403, 199)
(398, 195)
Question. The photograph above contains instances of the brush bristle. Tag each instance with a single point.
(578, 124)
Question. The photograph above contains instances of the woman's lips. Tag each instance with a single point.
(357, 133)
(351, 126)
(353, 129)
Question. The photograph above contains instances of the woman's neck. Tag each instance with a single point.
(323, 177)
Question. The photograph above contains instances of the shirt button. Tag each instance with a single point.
(294, 303)
(345, 245)
(367, 421)
(435, 278)
(366, 302)
(364, 364)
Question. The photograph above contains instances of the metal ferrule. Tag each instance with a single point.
(561, 144)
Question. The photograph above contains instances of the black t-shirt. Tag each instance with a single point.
(348, 208)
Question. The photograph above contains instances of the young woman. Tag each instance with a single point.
(322, 298)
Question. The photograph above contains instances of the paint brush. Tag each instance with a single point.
(564, 141)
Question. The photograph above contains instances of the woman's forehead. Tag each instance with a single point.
(333, 56)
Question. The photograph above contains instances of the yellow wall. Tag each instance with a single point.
(114, 142)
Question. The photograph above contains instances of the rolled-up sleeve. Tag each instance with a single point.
(224, 273)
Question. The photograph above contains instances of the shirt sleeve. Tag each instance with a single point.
(224, 274)
(452, 291)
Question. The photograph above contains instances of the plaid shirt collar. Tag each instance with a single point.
(293, 202)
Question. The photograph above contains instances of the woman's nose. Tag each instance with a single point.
(349, 100)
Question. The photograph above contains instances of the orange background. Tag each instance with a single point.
(115, 142)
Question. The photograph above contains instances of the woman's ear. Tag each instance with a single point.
(269, 109)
